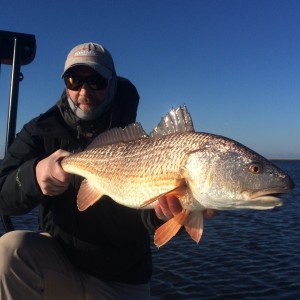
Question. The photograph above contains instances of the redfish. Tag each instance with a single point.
(205, 171)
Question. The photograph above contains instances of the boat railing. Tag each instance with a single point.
(16, 49)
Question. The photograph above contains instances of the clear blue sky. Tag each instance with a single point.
(234, 63)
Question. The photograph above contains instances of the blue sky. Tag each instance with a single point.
(234, 63)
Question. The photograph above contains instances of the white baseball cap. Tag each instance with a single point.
(92, 55)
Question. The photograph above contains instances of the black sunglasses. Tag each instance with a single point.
(95, 82)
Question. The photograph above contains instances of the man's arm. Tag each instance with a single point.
(19, 190)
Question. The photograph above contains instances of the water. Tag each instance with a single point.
(242, 254)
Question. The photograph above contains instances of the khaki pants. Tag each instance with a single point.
(33, 266)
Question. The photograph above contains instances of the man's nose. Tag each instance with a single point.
(85, 89)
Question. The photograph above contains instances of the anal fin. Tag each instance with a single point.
(87, 195)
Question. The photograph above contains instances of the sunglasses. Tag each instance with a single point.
(95, 82)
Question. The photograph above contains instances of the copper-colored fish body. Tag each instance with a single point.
(135, 171)
(205, 171)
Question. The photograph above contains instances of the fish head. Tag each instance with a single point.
(224, 174)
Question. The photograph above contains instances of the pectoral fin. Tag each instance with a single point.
(166, 231)
(87, 195)
(178, 191)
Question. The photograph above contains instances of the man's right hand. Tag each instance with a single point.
(168, 207)
(52, 179)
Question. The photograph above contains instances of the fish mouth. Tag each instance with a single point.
(265, 199)
(268, 193)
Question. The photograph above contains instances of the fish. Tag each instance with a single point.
(203, 170)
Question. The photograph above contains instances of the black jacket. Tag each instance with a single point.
(107, 240)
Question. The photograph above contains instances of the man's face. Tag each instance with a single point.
(86, 98)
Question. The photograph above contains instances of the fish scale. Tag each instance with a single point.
(137, 169)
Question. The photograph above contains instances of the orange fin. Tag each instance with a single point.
(179, 190)
(87, 195)
(166, 231)
(194, 225)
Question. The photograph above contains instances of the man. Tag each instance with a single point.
(103, 252)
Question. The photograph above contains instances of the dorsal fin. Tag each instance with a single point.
(131, 132)
(176, 120)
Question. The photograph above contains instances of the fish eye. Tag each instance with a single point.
(256, 168)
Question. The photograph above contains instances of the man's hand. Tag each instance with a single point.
(52, 179)
(168, 207)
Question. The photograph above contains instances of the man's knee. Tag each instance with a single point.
(19, 279)
(13, 239)
(12, 243)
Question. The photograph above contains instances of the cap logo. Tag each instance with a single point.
(85, 52)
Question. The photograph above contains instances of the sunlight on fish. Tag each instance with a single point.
(205, 171)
